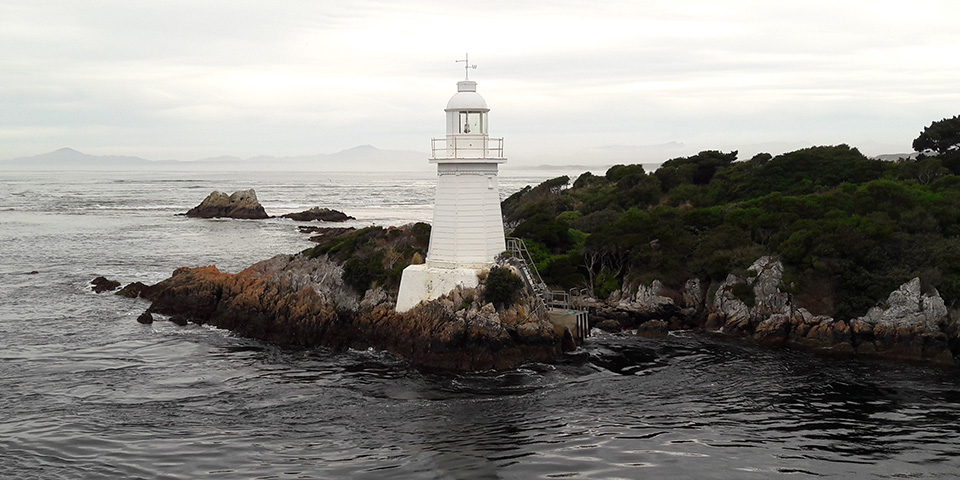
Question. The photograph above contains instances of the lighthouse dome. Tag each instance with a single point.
(467, 98)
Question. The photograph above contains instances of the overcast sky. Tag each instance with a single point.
(189, 79)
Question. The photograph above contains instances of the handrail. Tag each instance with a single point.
(546, 297)
(490, 148)
(553, 298)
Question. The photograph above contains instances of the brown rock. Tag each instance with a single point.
(241, 204)
(304, 302)
(653, 329)
(101, 284)
(529, 331)
(714, 322)
(145, 318)
(909, 343)
(319, 214)
(774, 330)
(737, 326)
(609, 325)
(134, 290)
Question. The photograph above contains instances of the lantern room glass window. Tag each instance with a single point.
(473, 123)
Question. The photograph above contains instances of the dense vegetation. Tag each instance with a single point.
(376, 256)
(849, 229)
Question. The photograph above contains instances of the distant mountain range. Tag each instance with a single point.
(363, 158)
(369, 158)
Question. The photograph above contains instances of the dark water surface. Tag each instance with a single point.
(87, 392)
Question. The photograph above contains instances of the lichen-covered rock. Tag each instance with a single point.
(374, 297)
(295, 300)
(910, 326)
(734, 314)
(634, 305)
(648, 300)
(907, 306)
(768, 298)
(241, 204)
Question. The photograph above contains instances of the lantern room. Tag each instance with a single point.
(467, 111)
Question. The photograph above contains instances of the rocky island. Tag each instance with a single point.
(242, 204)
(821, 249)
(319, 214)
(314, 299)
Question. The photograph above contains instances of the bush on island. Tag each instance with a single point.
(502, 287)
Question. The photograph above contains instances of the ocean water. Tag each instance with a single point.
(87, 392)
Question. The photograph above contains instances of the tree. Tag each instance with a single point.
(941, 136)
(698, 169)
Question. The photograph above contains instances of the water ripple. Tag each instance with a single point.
(87, 392)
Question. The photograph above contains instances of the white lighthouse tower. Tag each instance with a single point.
(467, 232)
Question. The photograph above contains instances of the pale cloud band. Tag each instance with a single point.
(186, 80)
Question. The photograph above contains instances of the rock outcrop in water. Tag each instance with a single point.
(652, 309)
(319, 214)
(299, 301)
(325, 233)
(910, 325)
(102, 284)
(241, 204)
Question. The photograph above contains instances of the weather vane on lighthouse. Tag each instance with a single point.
(467, 66)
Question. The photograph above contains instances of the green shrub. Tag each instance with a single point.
(361, 272)
(605, 284)
(502, 287)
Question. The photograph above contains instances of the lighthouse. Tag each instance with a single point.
(467, 231)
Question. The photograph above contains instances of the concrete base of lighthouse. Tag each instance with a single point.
(422, 283)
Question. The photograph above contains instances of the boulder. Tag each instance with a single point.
(648, 300)
(731, 310)
(773, 330)
(319, 214)
(101, 284)
(653, 328)
(635, 305)
(768, 298)
(133, 290)
(609, 325)
(241, 204)
(145, 318)
(909, 326)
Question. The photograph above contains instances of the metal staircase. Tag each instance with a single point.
(551, 300)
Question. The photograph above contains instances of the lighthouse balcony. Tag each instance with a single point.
(460, 146)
